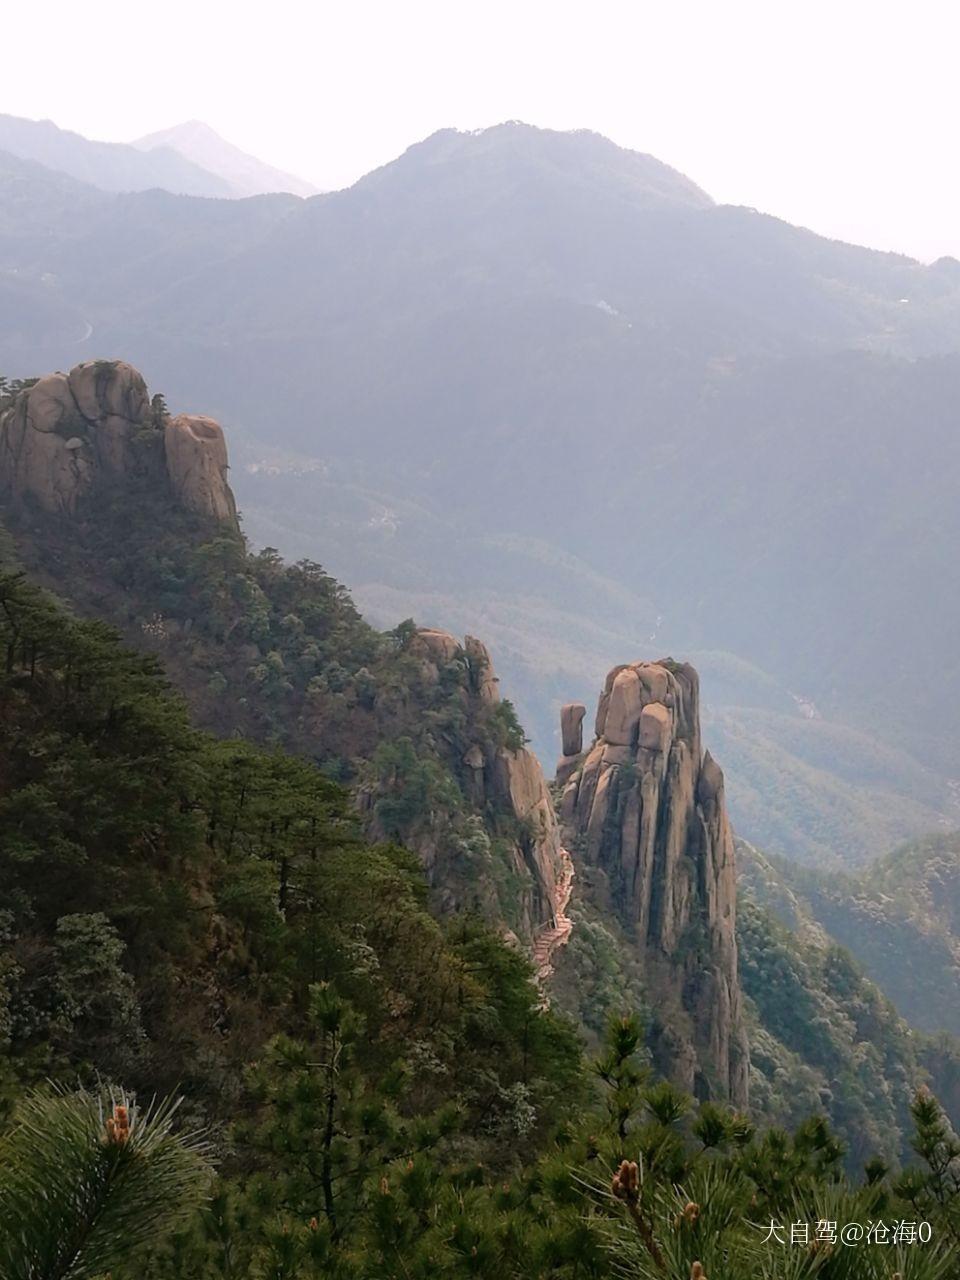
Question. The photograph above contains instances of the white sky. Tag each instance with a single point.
(840, 116)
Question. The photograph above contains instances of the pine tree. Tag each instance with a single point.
(85, 1180)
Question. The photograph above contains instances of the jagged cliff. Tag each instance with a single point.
(498, 779)
(643, 809)
(68, 435)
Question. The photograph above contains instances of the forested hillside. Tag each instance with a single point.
(260, 855)
(385, 1096)
(900, 917)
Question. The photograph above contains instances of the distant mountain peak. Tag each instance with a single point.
(197, 142)
(111, 166)
(578, 156)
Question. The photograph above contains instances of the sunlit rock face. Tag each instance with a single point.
(644, 810)
(196, 454)
(70, 435)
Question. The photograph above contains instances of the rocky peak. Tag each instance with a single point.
(644, 809)
(69, 435)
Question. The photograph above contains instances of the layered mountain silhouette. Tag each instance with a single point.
(188, 159)
(532, 385)
(112, 166)
(244, 174)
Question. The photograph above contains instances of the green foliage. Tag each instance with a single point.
(85, 1180)
(505, 727)
(598, 973)
(899, 915)
(169, 898)
(648, 1185)
(411, 790)
(827, 1041)
(277, 654)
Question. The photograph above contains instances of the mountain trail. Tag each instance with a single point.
(556, 935)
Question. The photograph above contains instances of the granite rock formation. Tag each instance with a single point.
(571, 727)
(68, 434)
(644, 812)
(196, 454)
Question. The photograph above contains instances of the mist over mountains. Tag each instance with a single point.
(188, 159)
(245, 174)
(534, 386)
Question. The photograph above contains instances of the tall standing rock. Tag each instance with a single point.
(647, 811)
(571, 727)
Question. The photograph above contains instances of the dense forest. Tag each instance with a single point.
(366, 1091)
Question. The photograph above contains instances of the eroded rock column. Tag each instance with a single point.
(645, 807)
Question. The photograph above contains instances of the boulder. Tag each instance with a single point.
(571, 727)
(196, 454)
(45, 452)
(109, 388)
(656, 727)
(438, 647)
(623, 708)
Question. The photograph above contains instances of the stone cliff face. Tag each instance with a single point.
(643, 810)
(69, 435)
(501, 779)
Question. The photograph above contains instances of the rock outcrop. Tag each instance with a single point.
(644, 810)
(501, 780)
(196, 455)
(69, 435)
(571, 727)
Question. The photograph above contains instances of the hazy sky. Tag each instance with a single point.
(841, 116)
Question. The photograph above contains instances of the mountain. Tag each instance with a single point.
(624, 901)
(529, 384)
(186, 913)
(899, 917)
(111, 166)
(245, 174)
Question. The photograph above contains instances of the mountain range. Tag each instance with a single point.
(534, 386)
(188, 159)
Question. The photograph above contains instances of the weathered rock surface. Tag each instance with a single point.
(647, 812)
(196, 455)
(109, 388)
(571, 727)
(67, 436)
(434, 649)
(485, 682)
